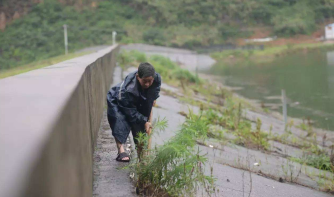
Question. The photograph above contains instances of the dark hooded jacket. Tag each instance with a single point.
(129, 104)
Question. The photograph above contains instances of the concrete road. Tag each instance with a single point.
(110, 180)
(230, 181)
(186, 58)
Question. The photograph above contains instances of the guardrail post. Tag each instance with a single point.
(284, 106)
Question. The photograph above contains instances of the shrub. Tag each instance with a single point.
(185, 76)
(228, 32)
(154, 36)
(292, 20)
(166, 62)
(321, 162)
(137, 56)
(192, 44)
(175, 167)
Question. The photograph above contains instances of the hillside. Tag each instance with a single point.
(13, 9)
(37, 31)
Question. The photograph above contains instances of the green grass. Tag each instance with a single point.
(169, 70)
(321, 162)
(174, 168)
(38, 64)
(230, 118)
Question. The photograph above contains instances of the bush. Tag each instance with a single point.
(228, 32)
(168, 68)
(164, 61)
(185, 76)
(154, 36)
(292, 20)
(124, 59)
(191, 44)
(174, 168)
(138, 56)
(321, 162)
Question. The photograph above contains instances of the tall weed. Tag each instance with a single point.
(175, 168)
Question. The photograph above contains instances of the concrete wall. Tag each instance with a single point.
(49, 120)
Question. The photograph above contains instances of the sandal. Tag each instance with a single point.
(122, 155)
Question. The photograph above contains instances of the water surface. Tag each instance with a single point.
(308, 80)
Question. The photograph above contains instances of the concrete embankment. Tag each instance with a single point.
(49, 119)
(239, 171)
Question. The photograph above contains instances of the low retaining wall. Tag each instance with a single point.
(49, 119)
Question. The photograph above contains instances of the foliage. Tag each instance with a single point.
(303, 126)
(39, 34)
(296, 19)
(230, 118)
(154, 36)
(124, 59)
(321, 162)
(185, 75)
(137, 56)
(175, 167)
(281, 14)
(229, 32)
(164, 66)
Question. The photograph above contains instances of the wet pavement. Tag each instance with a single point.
(231, 181)
(186, 58)
(110, 180)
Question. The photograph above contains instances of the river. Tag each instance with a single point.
(307, 78)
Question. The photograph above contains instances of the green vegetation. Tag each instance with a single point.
(39, 34)
(303, 126)
(298, 18)
(174, 168)
(228, 115)
(230, 118)
(169, 70)
(287, 17)
(268, 54)
(321, 161)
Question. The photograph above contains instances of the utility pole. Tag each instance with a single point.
(114, 33)
(65, 39)
(285, 111)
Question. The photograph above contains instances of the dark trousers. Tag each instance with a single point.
(120, 129)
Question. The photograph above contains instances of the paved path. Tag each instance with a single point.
(110, 180)
(239, 182)
(188, 59)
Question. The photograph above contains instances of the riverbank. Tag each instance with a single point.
(233, 57)
(251, 140)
